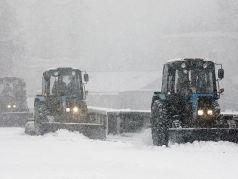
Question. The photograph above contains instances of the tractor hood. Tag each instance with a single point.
(65, 104)
(8, 103)
(69, 101)
(204, 106)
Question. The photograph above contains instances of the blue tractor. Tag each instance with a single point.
(62, 105)
(14, 111)
(187, 107)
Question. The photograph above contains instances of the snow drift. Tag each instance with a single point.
(67, 155)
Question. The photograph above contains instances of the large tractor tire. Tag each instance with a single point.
(159, 124)
(40, 116)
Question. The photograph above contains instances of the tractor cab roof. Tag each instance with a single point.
(63, 82)
(180, 60)
(60, 70)
(10, 86)
(191, 62)
(11, 79)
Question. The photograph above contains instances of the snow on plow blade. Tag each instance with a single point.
(93, 131)
(184, 135)
(14, 119)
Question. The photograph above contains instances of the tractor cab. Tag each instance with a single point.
(64, 82)
(190, 76)
(192, 86)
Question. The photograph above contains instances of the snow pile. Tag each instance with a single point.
(66, 155)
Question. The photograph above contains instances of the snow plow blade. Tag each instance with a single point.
(183, 135)
(127, 121)
(14, 119)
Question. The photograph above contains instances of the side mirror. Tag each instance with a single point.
(157, 92)
(160, 95)
(221, 73)
(221, 90)
(86, 77)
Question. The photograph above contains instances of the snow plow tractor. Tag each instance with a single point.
(62, 105)
(14, 111)
(187, 109)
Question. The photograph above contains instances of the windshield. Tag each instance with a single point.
(12, 88)
(195, 81)
(65, 84)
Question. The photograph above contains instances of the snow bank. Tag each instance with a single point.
(67, 155)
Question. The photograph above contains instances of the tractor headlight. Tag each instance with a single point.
(210, 112)
(9, 106)
(200, 112)
(75, 109)
(67, 109)
(14, 106)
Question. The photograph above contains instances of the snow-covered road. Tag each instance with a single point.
(66, 155)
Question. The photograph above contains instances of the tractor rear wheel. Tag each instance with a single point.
(159, 124)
